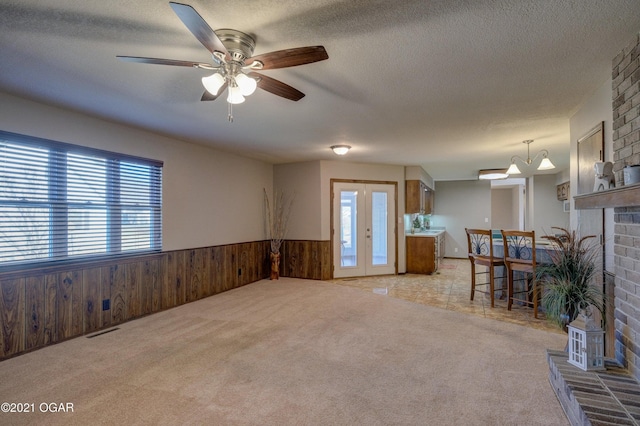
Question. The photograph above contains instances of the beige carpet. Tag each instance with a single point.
(293, 352)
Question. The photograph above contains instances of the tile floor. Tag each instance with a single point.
(449, 288)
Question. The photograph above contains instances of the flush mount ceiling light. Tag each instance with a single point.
(492, 174)
(545, 164)
(340, 149)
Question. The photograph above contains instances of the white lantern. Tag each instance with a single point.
(586, 344)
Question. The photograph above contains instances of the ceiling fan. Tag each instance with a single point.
(234, 66)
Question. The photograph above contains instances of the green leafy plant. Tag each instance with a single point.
(568, 279)
(416, 222)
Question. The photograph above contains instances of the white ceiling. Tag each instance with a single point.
(452, 85)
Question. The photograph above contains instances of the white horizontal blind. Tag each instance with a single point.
(60, 201)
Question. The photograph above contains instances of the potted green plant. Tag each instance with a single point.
(568, 280)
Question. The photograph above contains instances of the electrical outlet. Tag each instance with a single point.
(455, 250)
(106, 304)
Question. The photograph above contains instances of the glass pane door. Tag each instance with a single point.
(379, 247)
(364, 229)
(348, 228)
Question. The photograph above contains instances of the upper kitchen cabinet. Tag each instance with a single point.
(428, 200)
(418, 197)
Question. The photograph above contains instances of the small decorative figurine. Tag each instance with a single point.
(604, 176)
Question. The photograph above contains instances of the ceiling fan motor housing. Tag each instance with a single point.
(240, 45)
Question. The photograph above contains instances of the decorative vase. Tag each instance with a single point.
(631, 174)
(275, 266)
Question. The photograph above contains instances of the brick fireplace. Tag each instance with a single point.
(610, 397)
(627, 287)
(626, 147)
(625, 199)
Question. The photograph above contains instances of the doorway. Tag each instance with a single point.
(508, 204)
(363, 228)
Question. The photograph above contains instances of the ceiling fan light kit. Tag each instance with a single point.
(213, 83)
(235, 95)
(234, 64)
(545, 164)
(231, 72)
(246, 84)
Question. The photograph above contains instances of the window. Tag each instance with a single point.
(61, 201)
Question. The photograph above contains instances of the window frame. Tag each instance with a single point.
(59, 223)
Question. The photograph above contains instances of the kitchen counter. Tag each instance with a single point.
(427, 233)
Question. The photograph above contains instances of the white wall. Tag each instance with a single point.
(209, 197)
(461, 204)
(547, 210)
(302, 180)
(597, 108)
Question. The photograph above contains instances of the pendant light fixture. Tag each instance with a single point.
(545, 164)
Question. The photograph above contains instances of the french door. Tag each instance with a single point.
(364, 239)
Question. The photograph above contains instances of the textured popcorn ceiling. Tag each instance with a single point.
(454, 86)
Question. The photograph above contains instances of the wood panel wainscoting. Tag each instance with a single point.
(306, 259)
(40, 307)
(46, 305)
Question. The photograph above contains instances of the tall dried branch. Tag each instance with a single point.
(277, 218)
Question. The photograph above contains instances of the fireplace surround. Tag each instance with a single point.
(625, 200)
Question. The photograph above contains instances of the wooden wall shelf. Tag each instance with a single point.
(624, 196)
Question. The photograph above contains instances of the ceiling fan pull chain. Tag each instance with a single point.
(230, 116)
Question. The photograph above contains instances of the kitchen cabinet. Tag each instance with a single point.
(418, 197)
(428, 200)
(422, 254)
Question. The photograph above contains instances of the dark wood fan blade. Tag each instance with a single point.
(277, 87)
(158, 61)
(207, 96)
(290, 57)
(199, 27)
